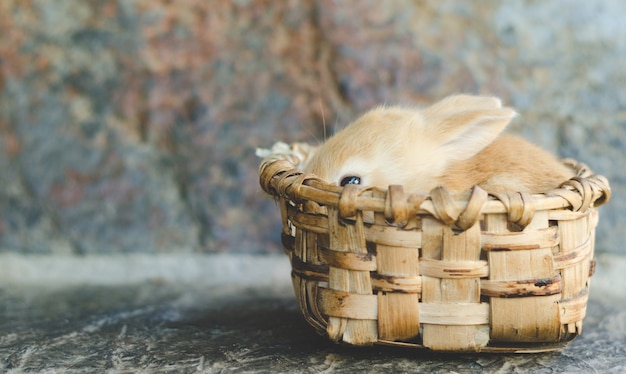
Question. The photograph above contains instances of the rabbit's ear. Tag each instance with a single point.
(461, 103)
(462, 135)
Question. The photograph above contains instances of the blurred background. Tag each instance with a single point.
(129, 126)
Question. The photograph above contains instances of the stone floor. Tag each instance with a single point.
(53, 319)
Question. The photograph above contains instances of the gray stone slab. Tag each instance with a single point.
(168, 326)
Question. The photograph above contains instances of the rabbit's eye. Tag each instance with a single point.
(351, 179)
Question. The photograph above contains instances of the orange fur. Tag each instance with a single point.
(454, 143)
(519, 166)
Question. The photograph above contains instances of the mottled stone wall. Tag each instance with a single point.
(130, 126)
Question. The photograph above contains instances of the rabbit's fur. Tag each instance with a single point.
(455, 143)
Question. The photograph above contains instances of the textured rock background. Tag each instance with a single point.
(130, 126)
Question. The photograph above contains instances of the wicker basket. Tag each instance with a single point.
(473, 272)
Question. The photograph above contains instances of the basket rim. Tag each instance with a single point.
(280, 177)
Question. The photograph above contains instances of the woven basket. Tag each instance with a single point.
(470, 272)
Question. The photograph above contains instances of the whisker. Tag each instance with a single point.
(312, 134)
(336, 124)
(319, 101)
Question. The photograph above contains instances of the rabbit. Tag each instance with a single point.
(455, 143)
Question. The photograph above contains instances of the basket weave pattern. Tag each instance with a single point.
(470, 272)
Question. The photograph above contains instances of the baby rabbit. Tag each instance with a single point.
(455, 143)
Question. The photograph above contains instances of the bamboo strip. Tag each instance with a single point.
(349, 238)
(347, 305)
(520, 288)
(391, 283)
(440, 242)
(455, 314)
(348, 260)
(574, 235)
(391, 236)
(527, 319)
(575, 256)
(308, 221)
(453, 269)
(399, 317)
(530, 239)
(309, 272)
(317, 319)
(573, 310)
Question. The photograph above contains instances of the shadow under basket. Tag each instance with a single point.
(467, 272)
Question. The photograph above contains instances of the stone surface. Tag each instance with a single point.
(169, 325)
(130, 126)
